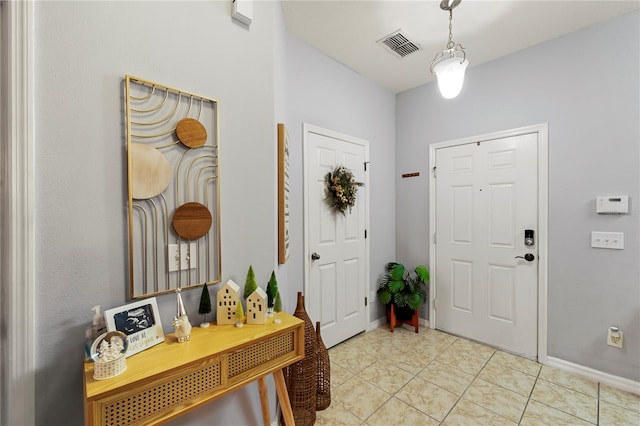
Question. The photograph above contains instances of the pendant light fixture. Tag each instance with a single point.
(450, 64)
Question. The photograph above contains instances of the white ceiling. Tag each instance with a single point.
(348, 30)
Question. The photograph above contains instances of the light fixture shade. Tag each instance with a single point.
(450, 75)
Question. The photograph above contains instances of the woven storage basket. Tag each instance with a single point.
(109, 369)
(323, 373)
(300, 377)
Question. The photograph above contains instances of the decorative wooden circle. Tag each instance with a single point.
(150, 171)
(192, 221)
(191, 132)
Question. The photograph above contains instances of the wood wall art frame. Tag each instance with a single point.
(283, 194)
(173, 189)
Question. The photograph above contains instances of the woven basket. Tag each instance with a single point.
(323, 373)
(107, 370)
(300, 377)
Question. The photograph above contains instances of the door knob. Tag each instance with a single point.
(528, 257)
(315, 256)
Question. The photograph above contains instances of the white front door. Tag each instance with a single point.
(336, 247)
(486, 197)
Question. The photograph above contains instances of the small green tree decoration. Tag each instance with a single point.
(239, 314)
(277, 307)
(205, 305)
(250, 284)
(272, 292)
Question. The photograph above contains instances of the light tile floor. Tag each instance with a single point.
(433, 378)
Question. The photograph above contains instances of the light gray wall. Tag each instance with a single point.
(324, 93)
(260, 77)
(586, 86)
(82, 52)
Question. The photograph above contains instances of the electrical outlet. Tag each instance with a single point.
(614, 337)
(182, 259)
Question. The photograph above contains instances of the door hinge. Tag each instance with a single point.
(365, 165)
(366, 301)
(435, 238)
(434, 304)
(365, 234)
(434, 171)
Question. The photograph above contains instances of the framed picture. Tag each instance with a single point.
(283, 194)
(139, 321)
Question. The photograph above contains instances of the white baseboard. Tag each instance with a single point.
(596, 375)
(382, 321)
(376, 323)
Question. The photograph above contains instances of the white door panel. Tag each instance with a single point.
(486, 196)
(337, 280)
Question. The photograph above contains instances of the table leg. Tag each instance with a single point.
(264, 401)
(283, 397)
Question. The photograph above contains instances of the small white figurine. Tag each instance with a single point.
(117, 345)
(182, 328)
(104, 352)
(110, 350)
(181, 323)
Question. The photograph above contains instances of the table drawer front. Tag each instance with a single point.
(261, 353)
(150, 401)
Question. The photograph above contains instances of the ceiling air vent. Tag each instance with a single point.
(398, 44)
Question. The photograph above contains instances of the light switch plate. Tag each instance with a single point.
(182, 256)
(608, 240)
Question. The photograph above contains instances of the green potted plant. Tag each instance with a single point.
(403, 292)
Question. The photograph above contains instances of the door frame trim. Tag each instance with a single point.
(306, 130)
(17, 393)
(542, 131)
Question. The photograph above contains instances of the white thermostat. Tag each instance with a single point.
(612, 204)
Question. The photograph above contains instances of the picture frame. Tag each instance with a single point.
(283, 194)
(139, 321)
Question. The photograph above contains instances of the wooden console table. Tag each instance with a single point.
(172, 378)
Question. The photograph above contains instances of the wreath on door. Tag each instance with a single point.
(341, 189)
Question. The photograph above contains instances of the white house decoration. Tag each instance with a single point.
(257, 307)
(227, 299)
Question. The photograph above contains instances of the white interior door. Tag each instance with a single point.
(486, 197)
(336, 247)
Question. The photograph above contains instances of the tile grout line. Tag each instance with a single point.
(390, 395)
(562, 410)
(434, 384)
(530, 393)
(467, 388)
(538, 378)
(414, 376)
(598, 406)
